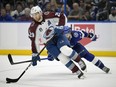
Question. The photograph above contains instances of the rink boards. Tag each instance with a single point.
(14, 38)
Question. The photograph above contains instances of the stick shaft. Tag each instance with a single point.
(17, 79)
(30, 63)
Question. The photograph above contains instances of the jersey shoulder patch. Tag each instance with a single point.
(75, 34)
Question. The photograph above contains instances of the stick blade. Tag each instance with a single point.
(8, 80)
(10, 59)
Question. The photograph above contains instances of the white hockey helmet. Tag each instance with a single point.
(35, 9)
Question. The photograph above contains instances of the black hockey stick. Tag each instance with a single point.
(9, 80)
(13, 63)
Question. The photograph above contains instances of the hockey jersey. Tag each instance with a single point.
(37, 29)
(77, 36)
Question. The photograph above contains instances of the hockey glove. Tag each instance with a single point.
(92, 36)
(35, 57)
(50, 57)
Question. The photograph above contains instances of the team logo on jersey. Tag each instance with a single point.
(89, 28)
(75, 34)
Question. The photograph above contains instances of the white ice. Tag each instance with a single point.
(55, 74)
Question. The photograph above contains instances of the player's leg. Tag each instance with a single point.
(97, 62)
(55, 52)
(80, 49)
(63, 45)
(90, 57)
(70, 65)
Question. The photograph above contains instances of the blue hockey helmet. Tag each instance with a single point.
(67, 29)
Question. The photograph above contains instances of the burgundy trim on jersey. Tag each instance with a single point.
(48, 15)
(32, 29)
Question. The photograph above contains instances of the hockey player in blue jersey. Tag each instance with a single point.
(74, 37)
(59, 47)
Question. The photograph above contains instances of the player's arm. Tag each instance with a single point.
(34, 44)
(79, 34)
(83, 34)
(59, 18)
(62, 19)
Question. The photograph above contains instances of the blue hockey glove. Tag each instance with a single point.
(50, 57)
(35, 57)
(92, 36)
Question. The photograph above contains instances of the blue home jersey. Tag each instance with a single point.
(77, 36)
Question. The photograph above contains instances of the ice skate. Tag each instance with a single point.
(82, 65)
(105, 69)
(80, 74)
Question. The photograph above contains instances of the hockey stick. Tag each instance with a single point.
(9, 80)
(13, 63)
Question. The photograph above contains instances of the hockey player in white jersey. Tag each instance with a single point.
(42, 27)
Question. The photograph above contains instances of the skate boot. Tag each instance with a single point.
(80, 74)
(105, 69)
(82, 65)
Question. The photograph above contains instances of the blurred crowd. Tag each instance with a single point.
(76, 10)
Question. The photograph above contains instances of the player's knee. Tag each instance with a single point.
(68, 52)
(68, 63)
(63, 58)
(88, 56)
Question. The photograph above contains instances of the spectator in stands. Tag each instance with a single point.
(86, 16)
(82, 5)
(18, 12)
(31, 1)
(4, 16)
(76, 12)
(48, 7)
(8, 8)
(30, 5)
(26, 16)
(112, 16)
(59, 6)
(91, 9)
(53, 5)
(71, 2)
(67, 9)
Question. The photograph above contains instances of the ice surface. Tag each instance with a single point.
(55, 74)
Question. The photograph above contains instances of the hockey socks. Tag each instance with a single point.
(72, 54)
(100, 65)
(80, 62)
(70, 65)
